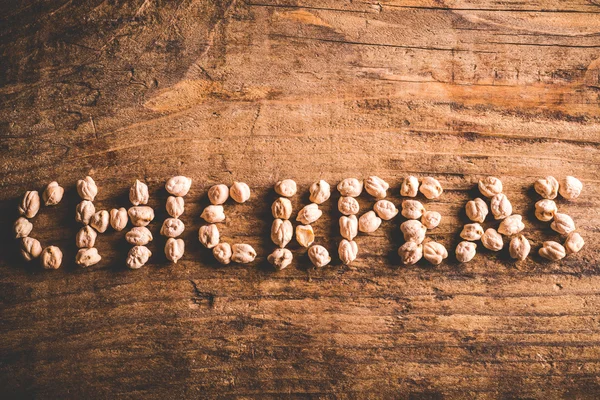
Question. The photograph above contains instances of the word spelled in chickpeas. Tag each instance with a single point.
(492, 222)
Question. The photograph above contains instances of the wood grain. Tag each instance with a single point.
(263, 90)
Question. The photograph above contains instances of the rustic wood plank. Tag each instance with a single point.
(263, 90)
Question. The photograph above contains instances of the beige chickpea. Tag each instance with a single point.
(431, 219)
(218, 194)
(319, 256)
(51, 257)
(434, 252)
(573, 243)
(178, 185)
(412, 209)
(208, 235)
(138, 193)
(282, 232)
(465, 251)
(30, 205)
(309, 214)
(410, 253)
(53, 194)
(570, 187)
(552, 251)
(84, 212)
(501, 206)
(22, 228)
(139, 236)
(350, 187)
(349, 227)
(138, 256)
(213, 214)
(239, 192)
(369, 222)
(410, 186)
(141, 215)
(86, 237)
(511, 225)
(87, 189)
(286, 188)
(319, 192)
(547, 187)
(385, 209)
(87, 257)
(175, 206)
(476, 210)
(348, 205)
(282, 208)
(519, 247)
(172, 227)
(222, 253)
(376, 187)
(174, 249)
(545, 210)
(562, 224)
(490, 186)
(30, 248)
(347, 251)
(492, 240)
(413, 230)
(118, 218)
(242, 253)
(305, 235)
(100, 221)
(472, 232)
(431, 188)
(280, 258)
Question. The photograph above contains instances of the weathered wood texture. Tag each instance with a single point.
(258, 91)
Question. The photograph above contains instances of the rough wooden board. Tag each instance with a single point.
(258, 91)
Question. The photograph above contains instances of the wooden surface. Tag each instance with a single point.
(262, 90)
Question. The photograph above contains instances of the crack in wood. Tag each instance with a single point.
(202, 297)
(396, 46)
